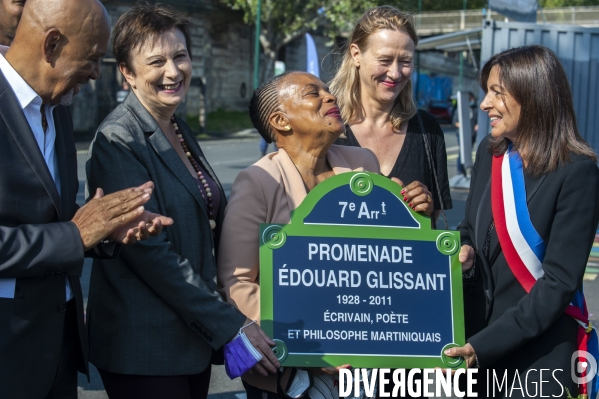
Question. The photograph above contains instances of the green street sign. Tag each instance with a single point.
(358, 277)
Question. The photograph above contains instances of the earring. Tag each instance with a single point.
(287, 128)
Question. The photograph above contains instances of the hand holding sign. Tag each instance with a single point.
(260, 341)
(466, 351)
(417, 196)
(467, 255)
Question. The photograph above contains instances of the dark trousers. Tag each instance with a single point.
(125, 386)
(65, 381)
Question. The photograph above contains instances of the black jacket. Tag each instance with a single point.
(530, 331)
(38, 246)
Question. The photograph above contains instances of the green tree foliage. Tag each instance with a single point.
(281, 22)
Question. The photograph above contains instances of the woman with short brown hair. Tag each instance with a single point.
(154, 316)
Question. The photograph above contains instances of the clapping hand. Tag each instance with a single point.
(119, 216)
(148, 224)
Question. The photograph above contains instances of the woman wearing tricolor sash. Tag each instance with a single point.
(531, 217)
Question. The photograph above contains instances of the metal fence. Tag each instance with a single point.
(435, 23)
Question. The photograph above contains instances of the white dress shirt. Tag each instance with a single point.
(31, 104)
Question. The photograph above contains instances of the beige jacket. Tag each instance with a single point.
(267, 192)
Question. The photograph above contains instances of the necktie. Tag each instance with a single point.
(44, 121)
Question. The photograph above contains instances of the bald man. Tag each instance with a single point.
(43, 234)
(10, 13)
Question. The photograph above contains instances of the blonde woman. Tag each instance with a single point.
(373, 85)
(374, 90)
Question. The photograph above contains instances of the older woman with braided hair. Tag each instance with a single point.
(297, 111)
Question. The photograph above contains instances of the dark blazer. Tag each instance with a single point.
(38, 246)
(155, 309)
(529, 331)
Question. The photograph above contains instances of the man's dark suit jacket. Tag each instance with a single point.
(530, 331)
(38, 246)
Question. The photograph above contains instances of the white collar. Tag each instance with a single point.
(24, 93)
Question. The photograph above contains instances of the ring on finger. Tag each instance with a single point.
(428, 199)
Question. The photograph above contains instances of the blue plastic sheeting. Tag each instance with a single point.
(435, 88)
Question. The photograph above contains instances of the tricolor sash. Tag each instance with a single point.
(524, 249)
